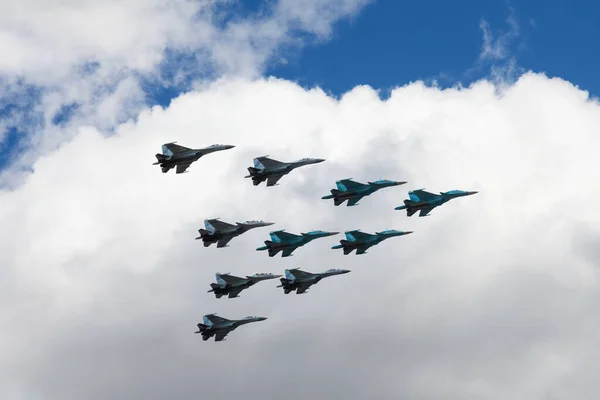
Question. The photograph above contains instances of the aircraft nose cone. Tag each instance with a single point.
(318, 160)
(262, 318)
(470, 193)
(332, 233)
(397, 183)
(228, 146)
(407, 232)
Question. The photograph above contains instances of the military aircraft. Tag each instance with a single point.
(353, 191)
(174, 155)
(221, 232)
(360, 241)
(423, 201)
(267, 169)
(219, 327)
(288, 242)
(300, 281)
(229, 285)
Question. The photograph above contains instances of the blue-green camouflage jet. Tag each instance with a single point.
(219, 327)
(174, 155)
(353, 191)
(423, 201)
(288, 242)
(360, 241)
(300, 281)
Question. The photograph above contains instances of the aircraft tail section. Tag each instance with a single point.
(252, 171)
(161, 158)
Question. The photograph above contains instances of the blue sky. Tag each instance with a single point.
(390, 43)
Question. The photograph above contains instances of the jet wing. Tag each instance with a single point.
(425, 211)
(267, 163)
(217, 225)
(273, 179)
(220, 336)
(230, 279)
(287, 252)
(235, 292)
(215, 319)
(421, 195)
(302, 289)
(346, 185)
(223, 242)
(182, 167)
(353, 201)
(175, 148)
(361, 250)
(298, 274)
(282, 236)
(359, 236)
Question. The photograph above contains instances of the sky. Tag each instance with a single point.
(493, 296)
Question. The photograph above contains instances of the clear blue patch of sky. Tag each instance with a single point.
(394, 42)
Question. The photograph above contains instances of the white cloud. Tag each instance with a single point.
(93, 52)
(494, 296)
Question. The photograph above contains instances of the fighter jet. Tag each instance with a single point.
(219, 327)
(360, 241)
(232, 285)
(423, 201)
(222, 232)
(353, 191)
(288, 242)
(267, 169)
(300, 281)
(174, 155)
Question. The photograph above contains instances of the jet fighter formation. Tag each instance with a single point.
(271, 171)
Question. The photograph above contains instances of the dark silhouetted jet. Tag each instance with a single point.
(288, 242)
(174, 155)
(219, 327)
(229, 285)
(267, 169)
(347, 189)
(360, 241)
(423, 201)
(222, 232)
(300, 281)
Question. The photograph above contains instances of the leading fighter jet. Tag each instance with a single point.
(300, 281)
(219, 327)
(174, 155)
(222, 232)
(360, 241)
(267, 169)
(288, 242)
(423, 201)
(229, 285)
(353, 191)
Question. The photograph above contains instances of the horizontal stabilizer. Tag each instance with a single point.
(253, 171)
(161, 158)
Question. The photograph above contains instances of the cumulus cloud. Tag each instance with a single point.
(494, 296)
(99, 55)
